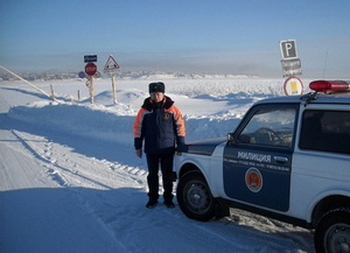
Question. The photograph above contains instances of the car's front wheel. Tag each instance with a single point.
(194, 197)
(333, 232)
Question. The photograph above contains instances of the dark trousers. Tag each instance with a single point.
(166, 165)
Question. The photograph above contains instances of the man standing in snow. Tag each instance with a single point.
(159, 122)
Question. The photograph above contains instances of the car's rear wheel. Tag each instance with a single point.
(194, 197)
(333, 232)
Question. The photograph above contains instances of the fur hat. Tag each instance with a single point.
(156, 87)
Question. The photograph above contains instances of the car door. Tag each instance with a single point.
(258, 157)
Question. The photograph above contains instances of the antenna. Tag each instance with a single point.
(325, 65)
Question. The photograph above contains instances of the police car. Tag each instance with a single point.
(288, 159)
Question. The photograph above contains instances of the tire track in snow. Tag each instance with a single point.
(53, 171)
(48, 162)
(135, 173)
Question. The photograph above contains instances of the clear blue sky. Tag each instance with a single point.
(206, 36)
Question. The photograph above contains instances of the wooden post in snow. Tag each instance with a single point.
(91, 89)
(52, 93)
(89, 84)
(114, 90)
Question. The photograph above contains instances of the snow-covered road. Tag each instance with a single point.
(70, 182)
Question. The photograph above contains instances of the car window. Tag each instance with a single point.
(326, 131)
(270, 127)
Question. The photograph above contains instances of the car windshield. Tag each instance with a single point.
(273, 127)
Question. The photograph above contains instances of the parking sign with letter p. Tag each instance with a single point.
(289, 49)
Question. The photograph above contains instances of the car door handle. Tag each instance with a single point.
(281, 159)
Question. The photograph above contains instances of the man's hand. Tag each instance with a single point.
(139, 152)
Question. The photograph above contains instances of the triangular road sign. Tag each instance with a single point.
(111, 64)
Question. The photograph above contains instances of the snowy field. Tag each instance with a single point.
(70, 180)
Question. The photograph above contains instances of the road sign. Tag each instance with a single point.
(90, 58)
(291, 67)
(82, 74)
(289, 49)
(111, 64)
(90, 69)
(293, 86)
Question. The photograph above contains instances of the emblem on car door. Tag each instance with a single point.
(253, 179)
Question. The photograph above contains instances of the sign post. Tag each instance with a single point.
(90, 70)
(291, 67)
(110, 67)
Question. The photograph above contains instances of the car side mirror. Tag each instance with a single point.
(229, 137)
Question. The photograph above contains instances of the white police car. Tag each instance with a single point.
(288, 159)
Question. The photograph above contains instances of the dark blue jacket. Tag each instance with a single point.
(160, 125)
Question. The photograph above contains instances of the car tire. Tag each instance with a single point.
(195, 198)
(333, 232)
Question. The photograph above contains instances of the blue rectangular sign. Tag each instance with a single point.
(90, 58)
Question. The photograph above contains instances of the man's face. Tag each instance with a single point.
(157, 96)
